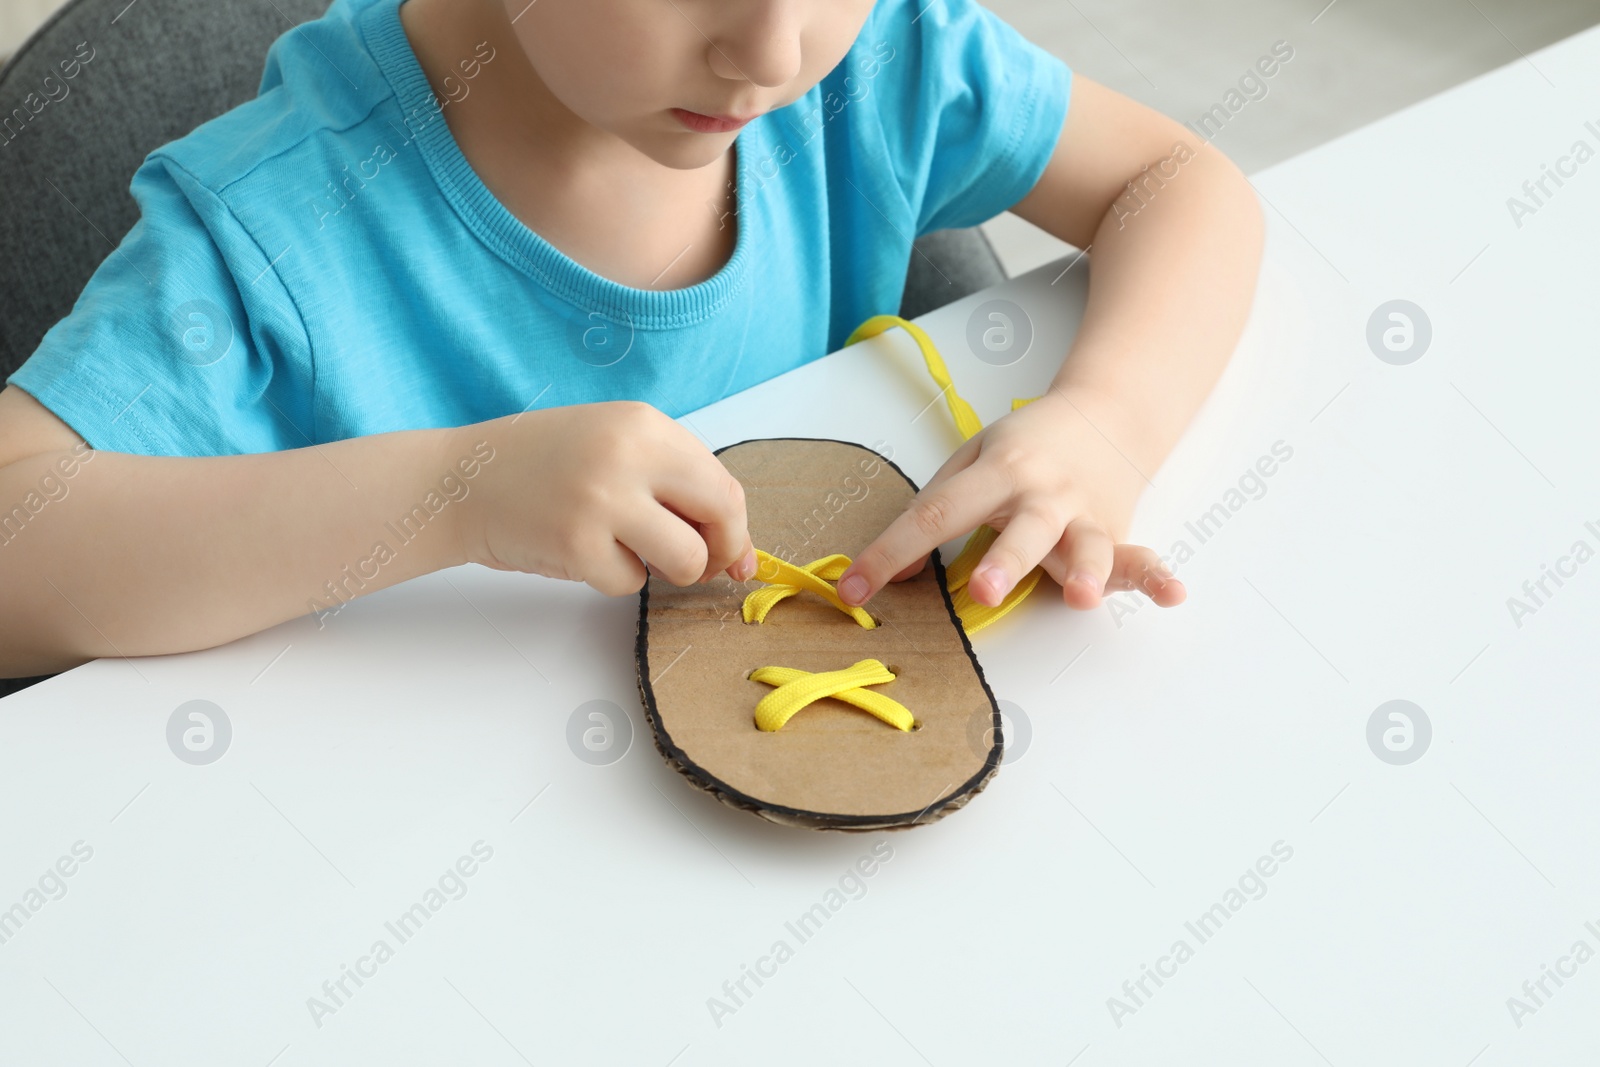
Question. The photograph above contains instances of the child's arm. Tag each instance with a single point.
(137, 555)
(1176, 233)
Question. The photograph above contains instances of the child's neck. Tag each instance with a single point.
(599, 200)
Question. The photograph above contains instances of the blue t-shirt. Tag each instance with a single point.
(323, 263)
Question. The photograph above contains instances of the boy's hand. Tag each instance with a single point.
(597, 492)
(1059, 490)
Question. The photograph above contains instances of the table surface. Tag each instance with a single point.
(1168, 756)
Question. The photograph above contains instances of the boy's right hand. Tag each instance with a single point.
(596, 492)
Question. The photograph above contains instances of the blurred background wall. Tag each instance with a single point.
(1354, 61)
(18, 18)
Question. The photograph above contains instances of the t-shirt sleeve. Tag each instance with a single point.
(184, 341)
(971, 110)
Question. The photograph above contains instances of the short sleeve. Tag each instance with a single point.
(971, 111)
(184, 341)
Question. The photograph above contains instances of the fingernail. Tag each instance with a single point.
(1088, 579)
(853, 589)
(997, 579)
(1162, 571)
(747, 566)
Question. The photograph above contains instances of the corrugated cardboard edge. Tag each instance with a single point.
(812, 820)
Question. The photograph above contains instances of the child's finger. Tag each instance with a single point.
(962, 458)
(672, 548)
(614, 570)
(957, 506)
(911, 571)
(959, 460)
(1139, 568)
(1087, 555)
(712, 500)
(744, 568)
(1027, 538)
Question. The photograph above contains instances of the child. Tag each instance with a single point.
(434, 296)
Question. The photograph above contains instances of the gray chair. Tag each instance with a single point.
(159, 68)
(947, 265)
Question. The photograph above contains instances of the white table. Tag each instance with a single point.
(1169, 750)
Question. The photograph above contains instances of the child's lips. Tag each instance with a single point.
(699, 123)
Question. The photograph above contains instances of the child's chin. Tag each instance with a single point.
(685, 151)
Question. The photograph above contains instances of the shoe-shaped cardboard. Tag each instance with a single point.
(832, 766)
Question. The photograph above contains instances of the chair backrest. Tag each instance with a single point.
(82, 102)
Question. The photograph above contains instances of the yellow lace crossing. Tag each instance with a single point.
(796, 689)
(785, 580)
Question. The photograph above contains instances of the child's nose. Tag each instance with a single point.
(762, 47)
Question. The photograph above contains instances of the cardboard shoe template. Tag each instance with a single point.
(830, 765)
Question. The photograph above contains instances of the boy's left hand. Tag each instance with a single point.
(1052, 480)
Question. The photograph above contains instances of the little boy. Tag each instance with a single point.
(508, 241)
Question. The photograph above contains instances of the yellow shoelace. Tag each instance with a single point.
(785, 580)
(795, 688)
(973, 615)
